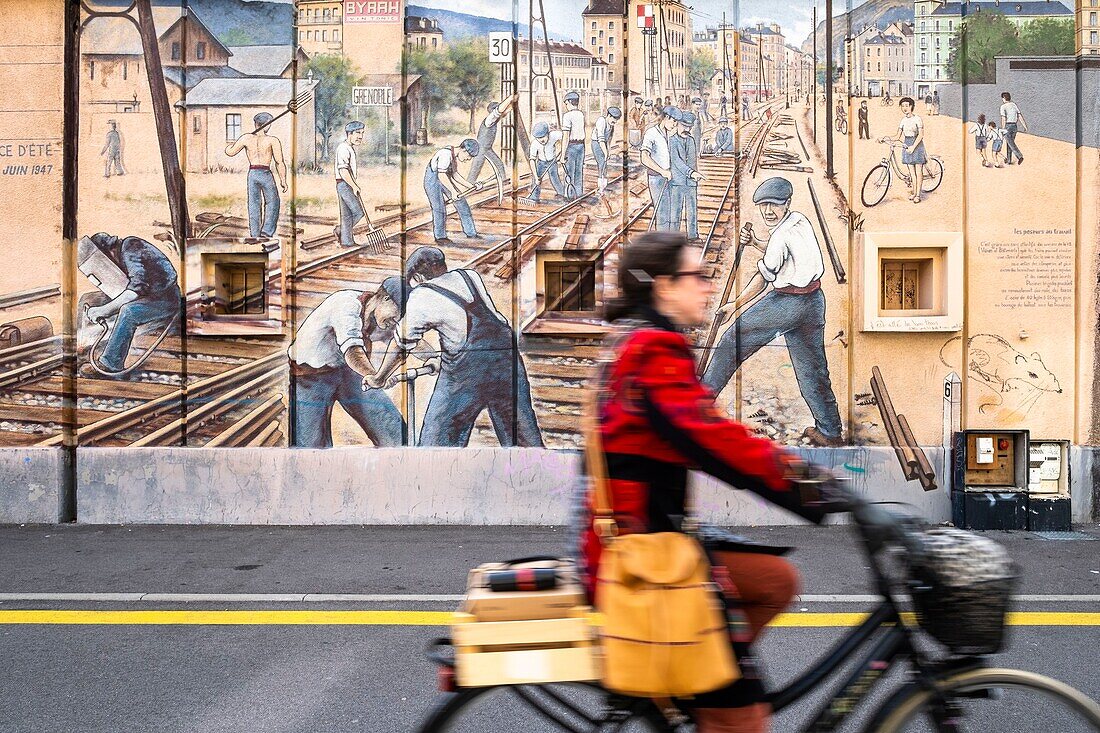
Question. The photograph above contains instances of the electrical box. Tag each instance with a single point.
(1048, 470)
(992, 469)
(1049, 513)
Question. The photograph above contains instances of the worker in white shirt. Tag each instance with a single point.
(1011, 120)
(544, 156)
(602, 133)
(793, 306)
(347, 187)
(442, 182)
(479, 363)
(658, 163)
(330, 360)
(573, 128)
(487, 137)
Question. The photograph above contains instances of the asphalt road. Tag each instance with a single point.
(313, 677)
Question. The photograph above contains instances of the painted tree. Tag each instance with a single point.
(337, 76)
(1048, 37)
(431, 64)
(977, 43)
(470, 78)
(701, 67)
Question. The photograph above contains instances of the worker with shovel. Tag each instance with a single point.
(443, 185)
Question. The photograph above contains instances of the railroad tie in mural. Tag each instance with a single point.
(914, 463)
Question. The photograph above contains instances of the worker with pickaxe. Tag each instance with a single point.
(783, 298)
(443, 184)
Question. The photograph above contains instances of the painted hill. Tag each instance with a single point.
(880, 13)
(238, 22)
(457, 26)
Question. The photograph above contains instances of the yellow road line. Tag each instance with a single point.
(424, 618)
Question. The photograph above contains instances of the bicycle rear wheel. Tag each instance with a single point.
(933, 175)
(552, 708)
(989, 701)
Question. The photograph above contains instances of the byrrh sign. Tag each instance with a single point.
(372, 11)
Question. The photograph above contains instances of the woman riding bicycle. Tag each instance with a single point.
(657, 421)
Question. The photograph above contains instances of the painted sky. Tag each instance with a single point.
(563, 16)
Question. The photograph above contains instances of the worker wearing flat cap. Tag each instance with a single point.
(544, 156)
(636, 120)
(697, 126)
(573, 129)
(658, 164)
(602, 133)
(723, 139)
(684, 185)
(793, 306)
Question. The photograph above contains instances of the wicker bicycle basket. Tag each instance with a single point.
(961, 584)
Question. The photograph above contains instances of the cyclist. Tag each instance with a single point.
(911, 136)
(657, 421)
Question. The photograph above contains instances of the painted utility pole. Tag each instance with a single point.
(830, 173)
(814, 87)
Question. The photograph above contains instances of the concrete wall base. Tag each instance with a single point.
(491, 486)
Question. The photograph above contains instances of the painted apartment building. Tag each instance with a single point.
(1088, 27)
(657, 61)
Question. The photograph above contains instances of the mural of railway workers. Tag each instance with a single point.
(658, 163)
(479, 363)
(444, 185)
(266, 175)
(783, 298)
(545, 159)
(684, 184)
(143, 291)
(487, 137)
(331, 362)
(573, 129)
(603, 131)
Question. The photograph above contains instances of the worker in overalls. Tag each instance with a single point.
(487, 137)
(723, 139)
(573, 128)
(442, 184)
(330, 361)
(602, 133)
(684, 186)
(479, 363)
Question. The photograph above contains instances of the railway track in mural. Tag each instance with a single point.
(230, 391)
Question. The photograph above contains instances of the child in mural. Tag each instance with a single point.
(997, 142)
(444, 167)
(684, 184)
(347, 187)
(487, 138)
(544, 156)
(330, 360)
(573, 128)
(479, 365)
(112, 151)
(151, 294)
(602, 133)
(264, 151)
(723, 139)
(655, 157)
(980, 131)
(793, 307)
(913, 154)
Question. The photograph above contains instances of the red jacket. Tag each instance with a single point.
(657, 422)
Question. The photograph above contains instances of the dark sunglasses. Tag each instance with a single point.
(697, 274)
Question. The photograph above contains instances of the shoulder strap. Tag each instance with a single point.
(596, 464)
(447, 294)
(474, 292)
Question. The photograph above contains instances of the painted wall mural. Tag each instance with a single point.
(324, 223)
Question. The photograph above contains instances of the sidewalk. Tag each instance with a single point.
(421, 561)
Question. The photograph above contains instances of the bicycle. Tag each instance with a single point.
(887, 101)
(877, 182)
(841, 123)
(944, 691)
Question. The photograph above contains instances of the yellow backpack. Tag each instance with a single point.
(664, 631)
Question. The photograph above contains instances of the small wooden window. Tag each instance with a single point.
(175, 50)
(570, 287)
(200, 50)
(906, 285)
(243, 285)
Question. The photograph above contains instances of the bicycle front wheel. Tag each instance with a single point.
(989, 701)
(875, 185)
(933, 175)
(551, 708)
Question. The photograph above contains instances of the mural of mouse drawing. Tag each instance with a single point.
(1017, 380)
